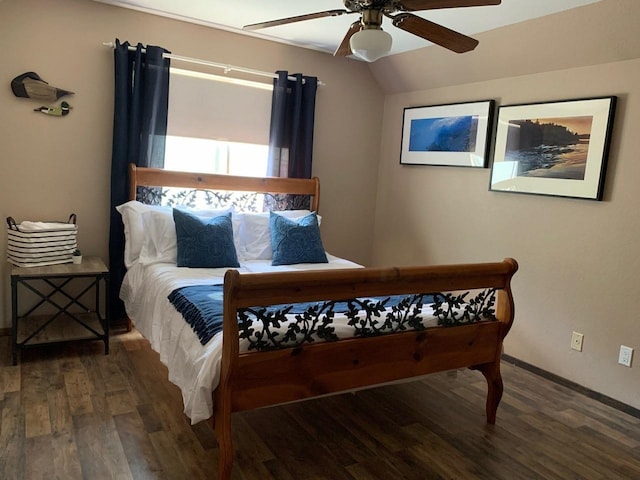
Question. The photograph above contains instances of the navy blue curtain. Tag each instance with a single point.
(292, 120)
(139, 131)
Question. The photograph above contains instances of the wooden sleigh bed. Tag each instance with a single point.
(254, 378)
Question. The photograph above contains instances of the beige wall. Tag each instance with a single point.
(575, 255)
(53, 166)
(579, 261)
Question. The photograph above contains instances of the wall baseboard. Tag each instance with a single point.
(612, 402)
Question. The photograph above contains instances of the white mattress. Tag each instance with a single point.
(193, 367)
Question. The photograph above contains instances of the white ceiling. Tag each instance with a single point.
(325, 34)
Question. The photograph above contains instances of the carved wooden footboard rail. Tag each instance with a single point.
(256, 379)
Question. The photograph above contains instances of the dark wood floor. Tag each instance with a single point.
(74, 413)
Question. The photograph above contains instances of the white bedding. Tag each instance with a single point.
(193, 367)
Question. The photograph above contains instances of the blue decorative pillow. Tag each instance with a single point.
(296, 241)
(204, 243)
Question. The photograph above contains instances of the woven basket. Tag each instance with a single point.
(36, 244)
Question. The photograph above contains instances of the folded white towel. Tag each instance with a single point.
(27, 226)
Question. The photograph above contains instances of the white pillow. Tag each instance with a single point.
(255, 234)
(160, 244)
(134, 234)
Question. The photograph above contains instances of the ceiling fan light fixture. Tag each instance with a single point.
(370, 44)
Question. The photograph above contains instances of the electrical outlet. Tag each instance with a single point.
(625, 356)
(576, 341)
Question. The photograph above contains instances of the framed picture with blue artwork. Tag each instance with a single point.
(455, 135)
(555, 148)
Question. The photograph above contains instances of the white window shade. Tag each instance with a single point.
(205, 108)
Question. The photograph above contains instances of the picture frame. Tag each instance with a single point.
(456, 134)
(555, 148)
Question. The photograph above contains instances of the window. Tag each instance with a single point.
(217, 125)
(190, 154)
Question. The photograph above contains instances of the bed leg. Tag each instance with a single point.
(491, 372)
(222, 425)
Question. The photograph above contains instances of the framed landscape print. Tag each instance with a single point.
(453, 135)
(556, 148)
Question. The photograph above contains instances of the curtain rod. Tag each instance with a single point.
(227, 68)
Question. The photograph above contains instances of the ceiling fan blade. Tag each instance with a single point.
(344, 49)
(435, 33)
(299, 18)
(415, 5)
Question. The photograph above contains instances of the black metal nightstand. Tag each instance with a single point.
(60, 312)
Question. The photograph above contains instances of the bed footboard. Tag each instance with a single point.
(320, 368)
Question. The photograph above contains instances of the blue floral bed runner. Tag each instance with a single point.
(283, 326)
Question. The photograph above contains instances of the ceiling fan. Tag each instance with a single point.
(365, 37)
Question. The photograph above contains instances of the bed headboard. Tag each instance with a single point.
(157, 177)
